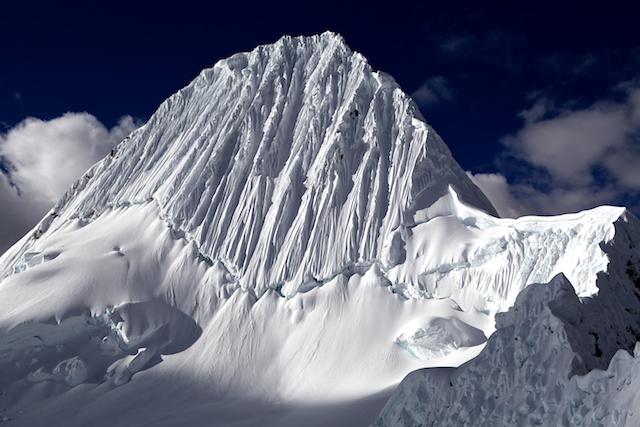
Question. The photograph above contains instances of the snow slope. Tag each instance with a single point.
(280, 244)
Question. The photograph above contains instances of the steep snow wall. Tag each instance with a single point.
(277, 155)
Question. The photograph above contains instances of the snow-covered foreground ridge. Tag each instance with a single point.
(280, 244)
(554, 359)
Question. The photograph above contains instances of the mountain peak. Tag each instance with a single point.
(283, 241)
(274, 155)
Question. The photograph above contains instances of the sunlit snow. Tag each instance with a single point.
(281, 244)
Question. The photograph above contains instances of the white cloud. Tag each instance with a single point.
(572, 144)
(17, 214)
(540, 108)
(624, 164)
(434, 91)
(497, 190)
(45, 158)
(560, 200)
(516, 200)
(589, 156)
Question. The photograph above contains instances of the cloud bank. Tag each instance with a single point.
(583, 157)
(39, 160)
(498, 191)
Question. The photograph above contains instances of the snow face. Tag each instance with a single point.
(280, 244)
(276, 155)
(483, 263)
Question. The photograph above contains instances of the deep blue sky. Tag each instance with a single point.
(479, 67)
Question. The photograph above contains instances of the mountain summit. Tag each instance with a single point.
(280, 244)
(276, 155)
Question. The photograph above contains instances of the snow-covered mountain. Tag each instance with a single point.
(275, 156)
(281, 244)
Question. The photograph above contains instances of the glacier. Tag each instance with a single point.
(282, 243)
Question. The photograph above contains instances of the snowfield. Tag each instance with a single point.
(281, 244)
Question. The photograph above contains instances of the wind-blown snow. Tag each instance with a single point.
(280, 244)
